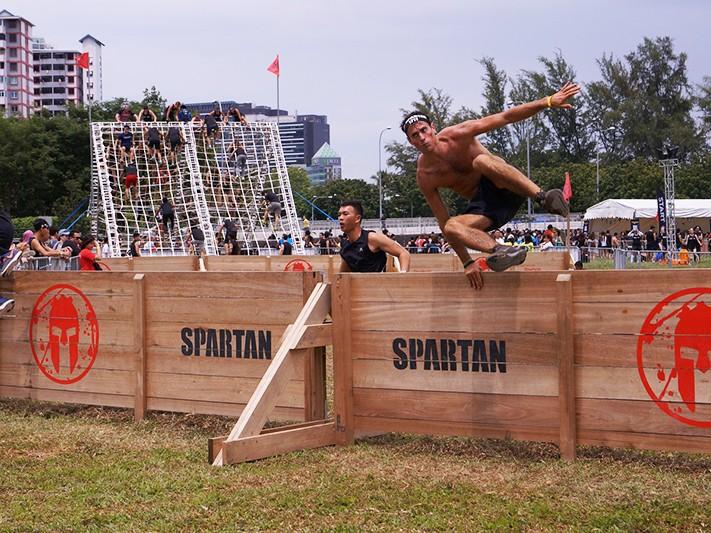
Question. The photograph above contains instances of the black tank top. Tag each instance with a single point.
(359, 257)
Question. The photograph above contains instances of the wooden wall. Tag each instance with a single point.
(535, 261)
(571, 372)
(141, 360)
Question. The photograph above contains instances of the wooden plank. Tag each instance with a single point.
(108, 358)
(500, 410)
(89, 283)
(646, 441)
(366, 425)
(636, 417)
(217, 388)
(342, 358)
(164, 264)
(535, 262)
(269, 285)
(627, 384)
(106, 306)
(226, 263)
(520, 380)
(623, 286)
(316, 335)
(84, 398)
(173, 405)
(96, 380)
(285, 441)
(111, 332)
(527, 349)
(620, 351)
(459, 315)
(566, 367)
(139, 322)
(451, 287)
(211, 310)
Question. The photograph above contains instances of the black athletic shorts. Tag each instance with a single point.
(500, 205)
(154, 144)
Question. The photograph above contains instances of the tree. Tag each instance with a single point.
(569, 127)
(648, 99)
(154, 100)
(495, 81)
(301, 189)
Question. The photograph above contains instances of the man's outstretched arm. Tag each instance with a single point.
(389, 246)
(518, 113)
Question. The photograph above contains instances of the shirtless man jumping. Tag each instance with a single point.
(455, 159)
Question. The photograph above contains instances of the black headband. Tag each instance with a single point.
(412, 119)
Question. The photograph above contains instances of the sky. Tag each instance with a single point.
(360, 63)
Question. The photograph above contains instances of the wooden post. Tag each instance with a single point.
(139, 326)
(566, 367)
(314, 366)
(342, 359)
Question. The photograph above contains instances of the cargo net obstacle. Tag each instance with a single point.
(202, 182)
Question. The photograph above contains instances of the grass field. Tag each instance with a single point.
(94, 469)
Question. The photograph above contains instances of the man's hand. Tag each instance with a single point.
(473, 274)
(568, 90)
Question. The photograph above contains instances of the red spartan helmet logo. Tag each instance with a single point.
(692, 343)
(64, 330)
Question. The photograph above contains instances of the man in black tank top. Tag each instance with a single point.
(364, 251)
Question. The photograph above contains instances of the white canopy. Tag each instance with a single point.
(615, 214)
(629, 209)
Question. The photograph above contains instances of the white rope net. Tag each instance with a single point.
(202, 179)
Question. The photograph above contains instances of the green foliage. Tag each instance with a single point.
(300, 183)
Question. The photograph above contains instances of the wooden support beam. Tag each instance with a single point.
(566, 366)
(278, 442)
(139, 340)
(315, 336)
(280, 370)
(342, 360)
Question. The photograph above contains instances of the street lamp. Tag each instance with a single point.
(597, 163)
(527, 127)
(380, 175)
(312, 204)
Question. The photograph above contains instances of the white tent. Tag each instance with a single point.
(615, 215)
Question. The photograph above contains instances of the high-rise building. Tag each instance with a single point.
(57, 79)
(16, 79)
(93, 80)
(325, 165)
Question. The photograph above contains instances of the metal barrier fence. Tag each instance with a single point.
(50, 264)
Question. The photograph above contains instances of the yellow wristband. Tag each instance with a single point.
(549, 101)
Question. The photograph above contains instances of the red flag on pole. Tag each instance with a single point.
(567, 188)
(274, 67)
(83, 60)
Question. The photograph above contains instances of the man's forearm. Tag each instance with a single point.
(524, 111)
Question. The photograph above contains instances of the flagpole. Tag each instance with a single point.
(277, 98)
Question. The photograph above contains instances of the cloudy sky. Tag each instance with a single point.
(357, 62)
